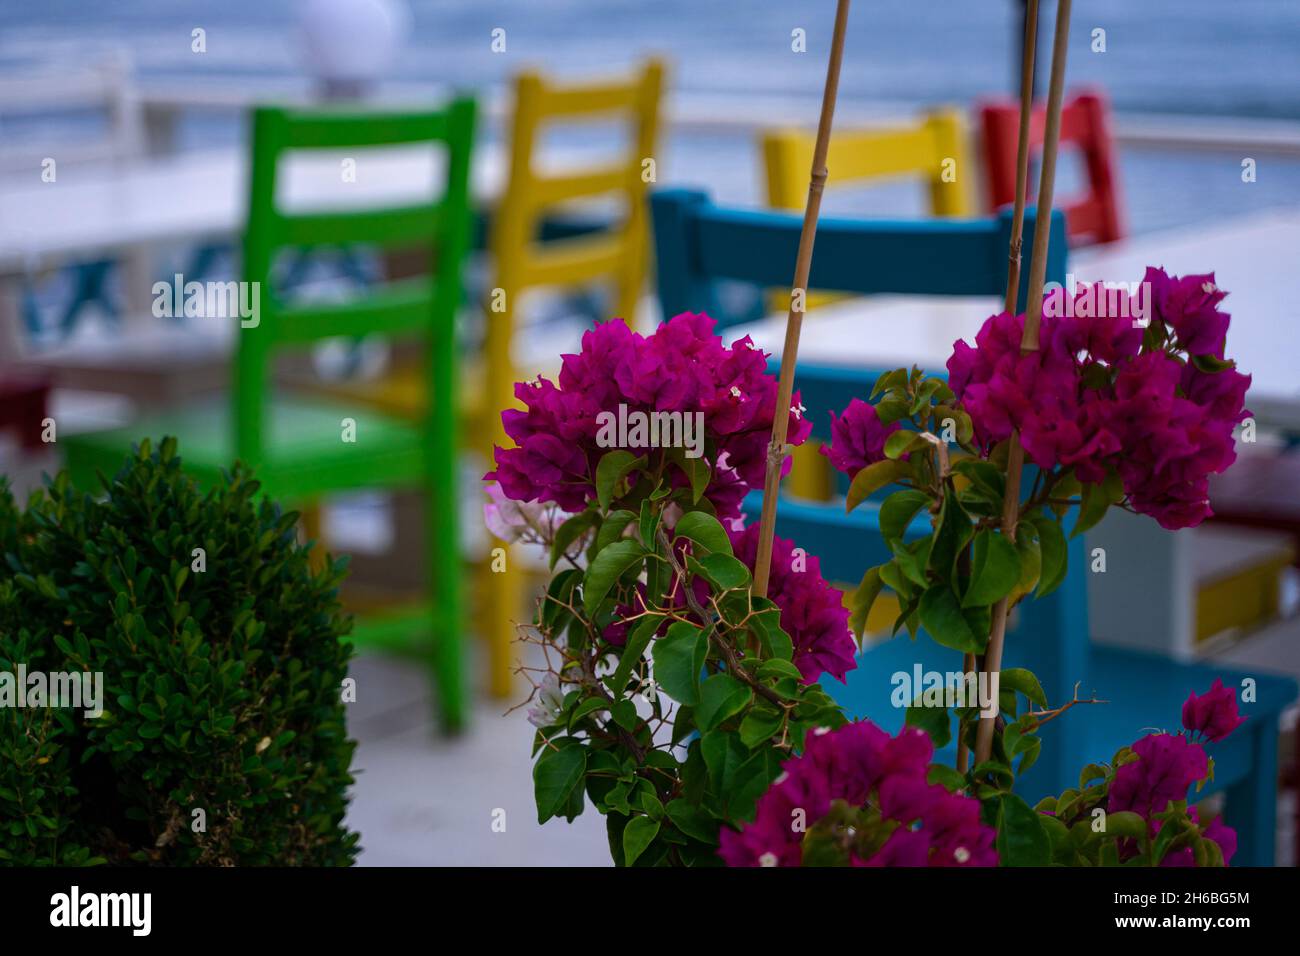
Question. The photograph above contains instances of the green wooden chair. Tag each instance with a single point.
(299, 444)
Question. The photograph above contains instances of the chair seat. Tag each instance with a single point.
(403, 392)
(306, 451)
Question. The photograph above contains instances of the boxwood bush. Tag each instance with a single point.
(222, 739)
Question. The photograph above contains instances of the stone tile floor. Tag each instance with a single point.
(423, 799)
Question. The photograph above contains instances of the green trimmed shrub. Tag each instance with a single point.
(221, 679)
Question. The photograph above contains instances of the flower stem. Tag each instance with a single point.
(1033, 315)
(794, 319)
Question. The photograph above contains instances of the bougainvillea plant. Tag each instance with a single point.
(688, 710)
(668, 695)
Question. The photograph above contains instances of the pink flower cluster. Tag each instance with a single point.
(1212, 715)
(1168, 765)
(682, 367)
(861, 764)
(1095, 398)
(857, 438)
(812, 611)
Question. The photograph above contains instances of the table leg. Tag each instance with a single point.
(1252, 804)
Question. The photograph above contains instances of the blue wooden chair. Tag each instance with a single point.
(698, 244)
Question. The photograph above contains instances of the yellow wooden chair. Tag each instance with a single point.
(619, 256)
(933, 149)
(522, 262)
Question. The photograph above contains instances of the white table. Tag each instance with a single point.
(1254, 258)
(200, 195)
(193, 197)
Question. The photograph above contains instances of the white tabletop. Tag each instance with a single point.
(200, 195)
(1253, 258)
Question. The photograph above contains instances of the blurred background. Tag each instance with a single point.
(125, 147)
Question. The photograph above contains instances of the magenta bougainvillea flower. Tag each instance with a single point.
(857, 438)
(682, 368)
(1167, 765)
(1190, 306)
(862, 765)
(1166, 768)
(1212, 715)
(1100, 395)
(812, 611)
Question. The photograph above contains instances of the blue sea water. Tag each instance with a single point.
(1234, 58)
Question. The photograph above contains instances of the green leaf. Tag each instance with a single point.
(778, 669)
(613, 466)
(588, 706)
(776, 642)
(995, 569)
(891, 410)
(984, 476)
(569, 532)
(1126, 823)
(1031, 562)
(901, 442)
(624, 714)
(1055, 552)
(678, 658)
(607, 567)
(1212, 364)
(871, 479)
(891, 379)
(693, 821)
(637, 835)
(721, 696)
(861, 601)
(697, 472)
(1022, 681)
(942, 618)
(935, 721)
(1091, 511)
(704, 530)
(897, 512)
(758, 725)
(632, 650)
(612, 528)
(648, 524)
(1022, 840)
(724, 571)
(555, 775)
(950, 538)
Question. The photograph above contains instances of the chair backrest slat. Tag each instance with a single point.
(388, 227)
(398, 309)
(921, 149)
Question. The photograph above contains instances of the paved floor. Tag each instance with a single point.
(422, 799)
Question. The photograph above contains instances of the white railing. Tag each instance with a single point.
(164, 105)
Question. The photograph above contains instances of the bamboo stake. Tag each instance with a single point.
(794, 319)
(1028, 343)
(1028, 51)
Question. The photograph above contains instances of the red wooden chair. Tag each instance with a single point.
(1090, 219)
